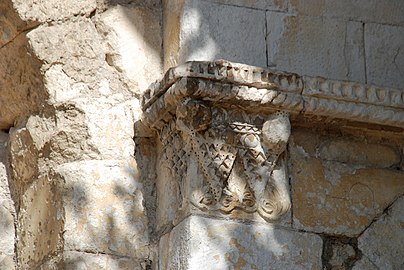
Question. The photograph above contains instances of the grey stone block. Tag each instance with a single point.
(315, 46)
(384, 46)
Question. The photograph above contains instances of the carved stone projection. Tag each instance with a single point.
(239, 159)
(223, 129)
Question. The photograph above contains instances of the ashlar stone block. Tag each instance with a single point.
(220, 244)
(382, 243)
(103, 206)
(375, 11)
(339, 185)
(201, 30)
(53, 10)
(316, 46)
(384, 45)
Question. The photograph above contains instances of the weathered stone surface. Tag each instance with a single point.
(219, 244)
(316, 46)
(74, 260)
(223, 162)
(7, 212)
(385, 54)
(360, 10)
(382, 243)
(256, 4)
(40, 223)
(11, 24)
(74, 44)
(6, 262)
(21, 84)
(333, 197)
(103, 205)
(43, 11)
(23, 162)
(339, 253)
(359, 153)
(198, 30)
(109, 124)
(133, 43)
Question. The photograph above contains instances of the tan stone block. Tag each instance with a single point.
(103, 204)
(133, 43)
(21, 84)
(225, 244)
(23, 162)
(359, 153)
(336, 198)
(109, 126)
(40, 223)
(32, 10)
(74, 44)
(74, 260)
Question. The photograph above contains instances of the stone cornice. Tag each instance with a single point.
(265, 90)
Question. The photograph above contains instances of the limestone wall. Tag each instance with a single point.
(82, 186)
(346, 40)
(226, 198)
(71, 72)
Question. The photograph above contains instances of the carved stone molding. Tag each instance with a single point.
(222, 130)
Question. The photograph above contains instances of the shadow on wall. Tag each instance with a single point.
(204, 30)
(132, 33)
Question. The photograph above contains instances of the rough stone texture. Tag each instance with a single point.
(219, 244)
(40, 223)
(7, 212)
(11, 24)
(335, 197)
(129, 46)
(316, 46)
(199, 30)
(382, 243)
(103, 205)
(359, 153)
(339, 253)
(53, 10)
(68, 72)
(360, 10)
(21, 87)
(384, 46)
(74, 260)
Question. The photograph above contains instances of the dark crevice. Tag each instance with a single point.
(340, 252)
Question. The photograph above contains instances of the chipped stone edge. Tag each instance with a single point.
(235, 83)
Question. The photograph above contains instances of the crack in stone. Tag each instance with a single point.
(24, 31)
(384, 212)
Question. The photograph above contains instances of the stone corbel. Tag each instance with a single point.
(222, 131)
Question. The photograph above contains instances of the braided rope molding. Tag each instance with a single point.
(261, 89)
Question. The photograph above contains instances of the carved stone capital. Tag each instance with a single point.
(225, 160)
(222, 131)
